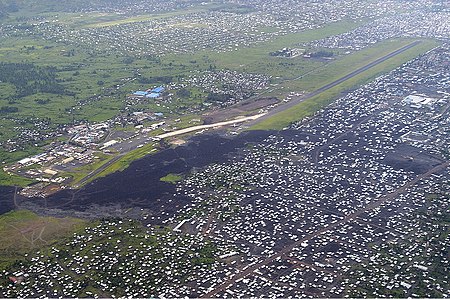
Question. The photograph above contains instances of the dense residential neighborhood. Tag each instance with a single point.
(351, 202)
(219, 30)
(225, 149)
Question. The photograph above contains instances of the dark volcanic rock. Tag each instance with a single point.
(139, 185)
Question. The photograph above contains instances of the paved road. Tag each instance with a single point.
(326, 87)
(375, 204)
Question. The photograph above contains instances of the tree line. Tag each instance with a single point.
(29, 79)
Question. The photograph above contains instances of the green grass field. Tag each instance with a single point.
(13, 180)
(171, 178)
(23, 231)
(79, 173)
(348, 63)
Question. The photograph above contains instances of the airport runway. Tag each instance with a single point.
(260, 117)
(326, 87)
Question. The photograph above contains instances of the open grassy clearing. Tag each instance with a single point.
(6, 89)
(22, 231)
(7, 131)
(13, 180)
(314, 104)
(101, 110)
(171, 178)
(80, 74)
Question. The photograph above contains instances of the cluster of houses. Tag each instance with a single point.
(302, 188)
(417, 24)
(131, 7)
(414, 262)
(215, 29)
(28, 130)
(88, 135)
(332, 11)
(117, 258)
(237, 85)
(328, 193)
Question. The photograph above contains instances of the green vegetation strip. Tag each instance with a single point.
(314, 104)
(171, 178)
(7, 179)
(124, 161)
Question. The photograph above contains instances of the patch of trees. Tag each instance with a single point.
(128, 60)
(30, 79)
(218, 97)
(322, 53)
(206, 255)
(153, 80)
(184, 93)
(8, 109)
(153, 58)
